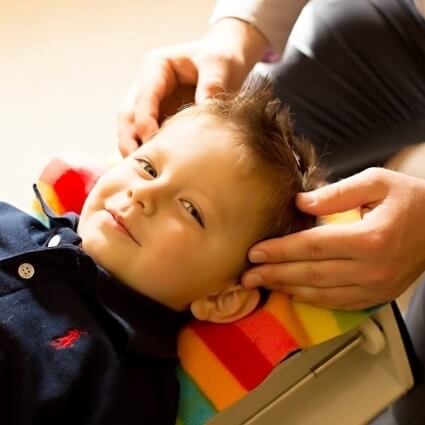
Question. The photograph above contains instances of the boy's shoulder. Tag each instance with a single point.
(23, 232)
(18, 230)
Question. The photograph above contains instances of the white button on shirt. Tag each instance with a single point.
(54, 241)
(26, 271)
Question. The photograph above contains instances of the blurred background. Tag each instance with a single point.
(65, 67)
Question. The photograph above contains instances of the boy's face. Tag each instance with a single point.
(175, 219)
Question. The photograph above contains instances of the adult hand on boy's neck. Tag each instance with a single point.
(355, 265)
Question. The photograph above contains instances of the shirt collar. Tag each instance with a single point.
(150, 326)
(68, 222)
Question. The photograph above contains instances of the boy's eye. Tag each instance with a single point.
(147, 167)
(193, 211)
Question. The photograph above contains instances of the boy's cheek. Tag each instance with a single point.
(170, 263)
(93, 200)
(178, 249)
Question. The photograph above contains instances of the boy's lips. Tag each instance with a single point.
(119, 220)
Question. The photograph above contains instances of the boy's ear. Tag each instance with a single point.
(228, 305)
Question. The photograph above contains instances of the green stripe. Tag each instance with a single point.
(374, 309)
(40, 216)
(348, 320)
(194, 407)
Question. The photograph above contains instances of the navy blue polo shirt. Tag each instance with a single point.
(77, 346)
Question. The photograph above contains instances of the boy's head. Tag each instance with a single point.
(176, 219)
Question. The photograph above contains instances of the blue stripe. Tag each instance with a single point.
(194, 407)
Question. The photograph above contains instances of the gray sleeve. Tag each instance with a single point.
(274, 18)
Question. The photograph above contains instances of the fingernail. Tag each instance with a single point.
(252, 280)
(307, 198)
(257, 257)
(149, 129)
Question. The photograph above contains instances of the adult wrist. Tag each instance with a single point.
(252, 43)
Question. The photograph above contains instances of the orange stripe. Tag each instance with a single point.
(211, 376)
(281, 307)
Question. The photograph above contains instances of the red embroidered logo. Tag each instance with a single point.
(68, 340)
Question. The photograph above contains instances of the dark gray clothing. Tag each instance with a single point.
(356, 82)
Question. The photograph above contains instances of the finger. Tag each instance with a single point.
(361, 189)
(338, 297)
(128, 140)
(146, 114)
(145, 128)
(161, 92)
(157, 80)
(127, 145)
(331, 241)
(320, 274)
(213, 78)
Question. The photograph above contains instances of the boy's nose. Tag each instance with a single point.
(144, 198)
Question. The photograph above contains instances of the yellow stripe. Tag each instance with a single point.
(211, 376)
(281, 307)
(342, 217)
(51, 198)
(319, 323)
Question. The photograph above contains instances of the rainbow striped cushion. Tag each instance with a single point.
(219, 363)
(222, 363)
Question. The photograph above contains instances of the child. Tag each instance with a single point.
(90, 308)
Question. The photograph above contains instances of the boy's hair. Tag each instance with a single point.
(288, 161)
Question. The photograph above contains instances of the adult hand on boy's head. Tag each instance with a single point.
(184, 73)
(355, 265)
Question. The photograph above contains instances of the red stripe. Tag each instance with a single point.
(269, 335)
(236, 352)
(71, 190)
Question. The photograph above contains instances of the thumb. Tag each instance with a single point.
(213, 78)
(359, 190)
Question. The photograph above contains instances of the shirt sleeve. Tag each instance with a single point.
(274, 18)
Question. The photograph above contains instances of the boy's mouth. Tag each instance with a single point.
(121, 226)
